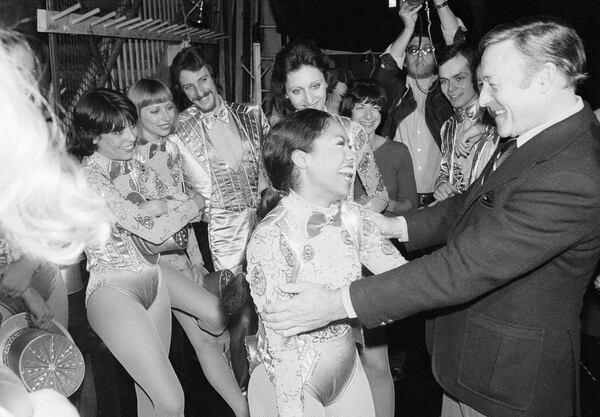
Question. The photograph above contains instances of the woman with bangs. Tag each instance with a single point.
(157, 117)
(128, 303)
(364, 103)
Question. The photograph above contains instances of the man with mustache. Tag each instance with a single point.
(220, 145)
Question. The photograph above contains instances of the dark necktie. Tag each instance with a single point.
(507, 150)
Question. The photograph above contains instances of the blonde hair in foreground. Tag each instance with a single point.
(46, 207)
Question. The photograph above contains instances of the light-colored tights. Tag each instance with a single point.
(194, 306)
(139, 339)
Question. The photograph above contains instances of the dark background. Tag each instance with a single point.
(363, 25)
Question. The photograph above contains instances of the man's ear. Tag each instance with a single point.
(548, 76)
(299, 159)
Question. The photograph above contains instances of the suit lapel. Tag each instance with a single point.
(540, 148)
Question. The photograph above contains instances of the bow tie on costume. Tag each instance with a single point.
(210, 119)
(317, 221)
(118, 168)
(155, 147)
(468, 112)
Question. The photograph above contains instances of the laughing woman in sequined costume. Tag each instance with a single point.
(128, 302)
(312, 235)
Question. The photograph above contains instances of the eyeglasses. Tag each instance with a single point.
(426, 50)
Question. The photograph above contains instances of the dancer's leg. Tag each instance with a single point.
(194, 300)
(377, 368)
(263, 401)
(131, 333)
(210, 352)
(356, 399)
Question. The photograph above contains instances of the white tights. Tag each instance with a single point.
(194, 306)
(139, 339)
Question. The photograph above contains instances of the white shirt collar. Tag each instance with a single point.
(525, 137)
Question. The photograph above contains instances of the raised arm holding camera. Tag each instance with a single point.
(417, 108)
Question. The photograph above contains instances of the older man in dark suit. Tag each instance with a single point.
(520, 246)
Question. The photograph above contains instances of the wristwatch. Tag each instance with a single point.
(441, 5)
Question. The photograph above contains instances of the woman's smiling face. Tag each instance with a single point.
(306, 88)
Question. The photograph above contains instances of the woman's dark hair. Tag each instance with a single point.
(293, 56)
(97, 112)
(295, 131)
(363, 91)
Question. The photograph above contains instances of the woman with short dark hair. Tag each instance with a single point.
(127, 301)
(364, 103)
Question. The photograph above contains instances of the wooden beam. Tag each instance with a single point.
(66, 12)
(121, 27)
(142, 24)
(103, 18)
(128, 23)
(85, 16)
(114, 22)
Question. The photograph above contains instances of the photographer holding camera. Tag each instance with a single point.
(417, 108)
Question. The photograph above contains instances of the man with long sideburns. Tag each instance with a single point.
(220, 145)
(521, 244)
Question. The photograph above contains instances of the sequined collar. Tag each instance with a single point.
(471, 111)
(110, 168)
(149, 149)
(301, 206)
(302, 209)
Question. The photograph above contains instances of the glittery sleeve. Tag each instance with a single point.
(8, 253)
(175, 164)
(272, 261)
(133, 219)
(377, 196)
(446, 149)
(376, 252)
